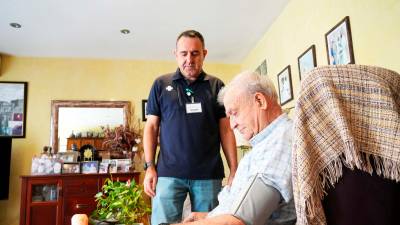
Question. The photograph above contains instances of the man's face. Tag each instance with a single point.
(242, 115)
(190, 55)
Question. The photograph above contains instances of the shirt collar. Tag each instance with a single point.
(178, 75)
(268, 130)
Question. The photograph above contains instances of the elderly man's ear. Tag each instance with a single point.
(261, 100)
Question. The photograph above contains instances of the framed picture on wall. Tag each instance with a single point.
(13, 98)
(307, 61)
(262, 68)
(339, 45)
(285, 86)
(144, 105)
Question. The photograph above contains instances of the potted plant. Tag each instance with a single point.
(120, 203)
(121, 139)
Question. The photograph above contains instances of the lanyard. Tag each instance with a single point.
(190, 93)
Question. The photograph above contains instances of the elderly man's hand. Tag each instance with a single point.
(195, 216)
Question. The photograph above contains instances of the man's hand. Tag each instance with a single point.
(150, 181)
(194, 216)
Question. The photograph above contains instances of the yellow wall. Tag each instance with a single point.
(76, 79)
(375, 27)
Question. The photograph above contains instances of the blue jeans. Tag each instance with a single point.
(171, 193)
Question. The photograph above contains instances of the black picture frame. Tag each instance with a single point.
(144, 105)
(339, 44)
(285, 85)
(13, 101)
(307, 61)
(262, 68)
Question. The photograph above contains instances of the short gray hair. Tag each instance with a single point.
(248, 83)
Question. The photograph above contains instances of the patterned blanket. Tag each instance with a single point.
(349, 116)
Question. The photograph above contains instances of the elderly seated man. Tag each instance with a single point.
(261, 192)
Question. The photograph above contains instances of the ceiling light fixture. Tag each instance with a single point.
(15, 25)
(125, 31)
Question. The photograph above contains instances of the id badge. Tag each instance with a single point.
(193, 108)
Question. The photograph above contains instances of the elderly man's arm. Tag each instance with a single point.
(217, 220)
(254, 207)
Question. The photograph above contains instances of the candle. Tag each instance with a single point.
(79, 219)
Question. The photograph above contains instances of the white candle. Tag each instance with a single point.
(79, 219)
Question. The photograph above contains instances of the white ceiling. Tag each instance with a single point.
(91, 28)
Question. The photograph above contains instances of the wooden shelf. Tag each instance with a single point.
(96, 142)
(75, 194)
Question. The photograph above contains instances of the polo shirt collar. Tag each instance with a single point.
(178, 75)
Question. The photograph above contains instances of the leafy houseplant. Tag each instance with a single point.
(120, 202)
(120, 138)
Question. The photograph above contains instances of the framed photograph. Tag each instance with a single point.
(68, 157)
(89, 167)
(339, 45)
(262, 68)
(113, 166)
(285, 86)
(103, 167)
(71, 168)
(124, 165)
(144, 105)
(307, 61)
(13, 98)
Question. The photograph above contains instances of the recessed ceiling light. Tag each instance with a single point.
(15, 25)
(125, 31)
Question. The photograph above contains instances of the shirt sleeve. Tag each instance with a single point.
(153, 101)
(278, 173)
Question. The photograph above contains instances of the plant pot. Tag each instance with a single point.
(95, 221)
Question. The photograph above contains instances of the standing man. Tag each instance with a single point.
(183, 110)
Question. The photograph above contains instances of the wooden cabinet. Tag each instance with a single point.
(79, 142)
(54, 199)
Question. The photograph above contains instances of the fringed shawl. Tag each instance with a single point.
(345, 116)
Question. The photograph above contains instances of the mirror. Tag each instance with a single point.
(84, 116)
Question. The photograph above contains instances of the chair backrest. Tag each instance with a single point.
(346, 123)
(362, 198)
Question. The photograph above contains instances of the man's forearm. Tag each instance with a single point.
(228, 143)
(150, 136)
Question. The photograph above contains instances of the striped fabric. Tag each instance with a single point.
(346, 115)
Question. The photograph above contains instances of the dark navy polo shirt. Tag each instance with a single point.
(189, 143)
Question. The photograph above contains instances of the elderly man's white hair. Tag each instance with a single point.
(249, 83)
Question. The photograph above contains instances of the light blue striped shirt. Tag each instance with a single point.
(270, 158)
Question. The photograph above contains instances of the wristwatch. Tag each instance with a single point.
(148, 164)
